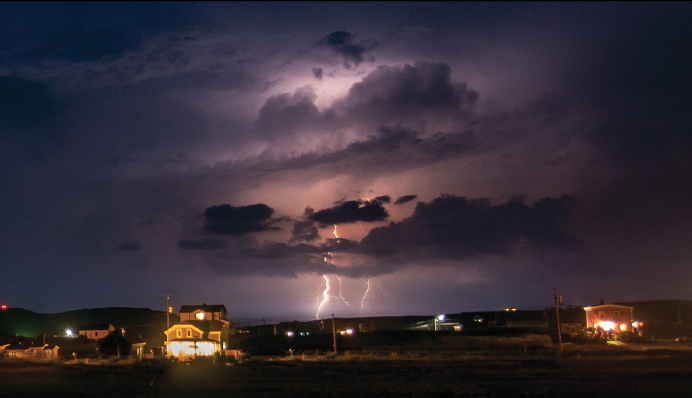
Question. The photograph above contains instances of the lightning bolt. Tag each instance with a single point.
(329, 258)
(317, 299)
(340, 296)
(364, 296)
(378, 286)
(326, 296)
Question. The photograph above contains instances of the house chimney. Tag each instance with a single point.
(602, 302)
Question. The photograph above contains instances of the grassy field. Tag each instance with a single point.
(458, 367)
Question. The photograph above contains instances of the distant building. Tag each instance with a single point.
(202, 330)
(609, 318)
(96, 332)
(18, 351)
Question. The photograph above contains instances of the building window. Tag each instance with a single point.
(601, 314)
(189, 333)
(616, 314)
(96, 334)
(200, 316)
(179, 333)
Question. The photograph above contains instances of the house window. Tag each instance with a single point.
(189, 333)
(180, 333)
(200, 316)
(616, 314)
(601, 314)
(96, 334)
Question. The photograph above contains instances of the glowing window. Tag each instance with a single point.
(200, 315)
(623, 326)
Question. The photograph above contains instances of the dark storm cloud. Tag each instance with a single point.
(396, 93)
(452, 227)
(382, 199)
(449, 228)
(391, 148)
(132, 245)
(393, 99)
(345, 44)
(271, 259)
(204, 244)
(404, 199)
(304, 231)
(284, 114)
(236, 221)
(318, 73)
(350, 212)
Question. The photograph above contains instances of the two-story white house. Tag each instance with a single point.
(202, 330)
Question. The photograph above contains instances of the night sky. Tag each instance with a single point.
(429, 157)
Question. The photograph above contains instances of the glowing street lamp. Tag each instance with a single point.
(68, 332)
(440, 318)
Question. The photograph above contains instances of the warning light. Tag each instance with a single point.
(4, 307)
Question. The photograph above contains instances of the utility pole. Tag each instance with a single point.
(168, 312)
(275, 327)
(334, 333)
(558, 300)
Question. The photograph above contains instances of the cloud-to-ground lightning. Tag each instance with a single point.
(326, 296)
(364, 296)
(340, 296)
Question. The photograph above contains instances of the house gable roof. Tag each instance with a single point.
(203, 307)
(606, 305)
(104, 326)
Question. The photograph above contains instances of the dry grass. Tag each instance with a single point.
(476, 367)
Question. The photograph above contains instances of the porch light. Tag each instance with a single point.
(607, 326)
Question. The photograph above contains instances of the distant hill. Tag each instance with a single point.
(19, 321)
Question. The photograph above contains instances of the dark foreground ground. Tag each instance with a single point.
(501, 371)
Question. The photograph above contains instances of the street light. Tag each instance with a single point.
(440, 318)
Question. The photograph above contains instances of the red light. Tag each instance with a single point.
(4, 307)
